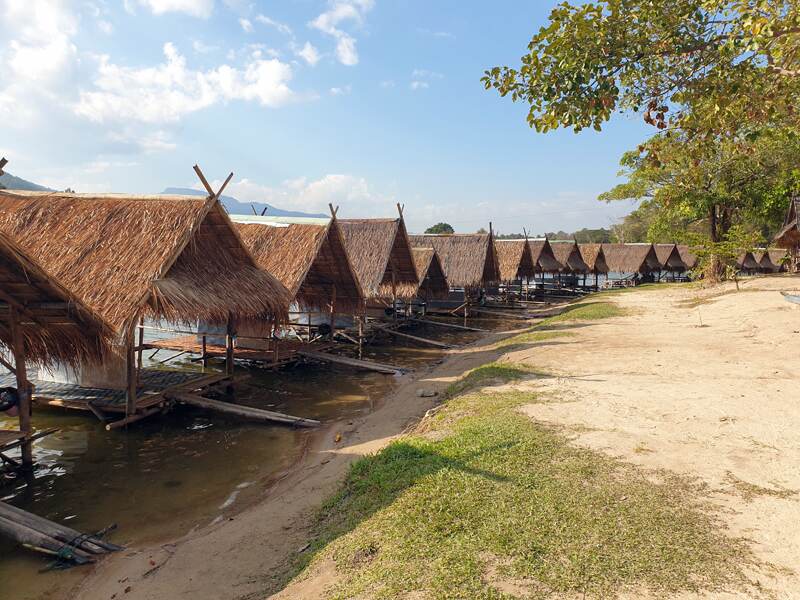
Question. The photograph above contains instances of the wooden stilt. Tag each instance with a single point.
(132, 376)
(204, 356)
(360, 334)
(23, 387)
(229, 333)
(333, 311)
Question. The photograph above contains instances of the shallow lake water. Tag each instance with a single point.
(166, 475)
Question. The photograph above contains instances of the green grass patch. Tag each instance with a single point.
(585, 311)
(501, 498)
(531, 337)
(495, 372)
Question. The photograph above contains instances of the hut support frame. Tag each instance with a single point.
(23, 388)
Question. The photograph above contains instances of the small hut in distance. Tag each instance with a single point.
(469, 259)
(308, 257)
(432, 280)
(543, 257)
(631, 259)
(595, 259)
(569, 256)
(669, 257)
(514, 260)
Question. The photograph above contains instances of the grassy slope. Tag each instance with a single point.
(481, 492)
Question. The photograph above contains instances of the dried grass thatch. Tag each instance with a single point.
(631, 258)
(669, 257)
(468, 259)
(778, 257)
(748, 263)
(432, 280)
(54, 324)
(569, 256)
(543, 257)
(764, 261)
(789, 235)
(308, 259)
(176, 258)
(688, 257)
(594, 257)
(380, 253)
(514, 259)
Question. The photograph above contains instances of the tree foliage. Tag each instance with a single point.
(440, 228)
(703, 66)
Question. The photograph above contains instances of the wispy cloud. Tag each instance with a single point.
(246, 25)
(341, 91)
(309, 54)
(282, 27)
(339, 13)
(196, 8)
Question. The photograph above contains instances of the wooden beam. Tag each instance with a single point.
(247, 412)
(8, 365)
(204, 181)
(23, 388)
(131, 376)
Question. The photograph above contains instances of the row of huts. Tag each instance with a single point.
(83, 278)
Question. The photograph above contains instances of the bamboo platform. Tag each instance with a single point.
(152, 384)
(282, 353)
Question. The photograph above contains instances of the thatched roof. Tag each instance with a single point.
(380, 253)
(594, 257)
(468, 259)
(747, 262)
(569, 256)
(514, 259)
(789, 235)
(669, 257)
(432, 280)
(778, 257)
(176, 258)
(687, 256)
(308, 259)
(764, 261)
(631, 258)
(55, 325)
(543, 257)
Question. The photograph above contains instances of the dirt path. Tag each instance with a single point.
(236, 559)
(717, 401)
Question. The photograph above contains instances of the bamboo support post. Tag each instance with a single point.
(23, 387)
(131, 376)
(204, 356)
(229, 333)
(139, 350)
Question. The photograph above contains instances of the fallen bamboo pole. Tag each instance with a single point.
(36, 539)
(133, 418)
(413, 337)
(450, 325)
(248, 412)
(350, 362)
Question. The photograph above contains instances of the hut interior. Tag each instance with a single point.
(469, 262)
(789, 235)
(747, 264)
(310, 260)
(170, 259)
(595, 259)
(432, 280)
(687, 256)
(41, 322)
(633, 262)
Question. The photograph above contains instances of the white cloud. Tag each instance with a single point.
(247, 26)
(352, 193)
(105, 26)
(340, 12)
(100, 165)
(437, 34)
(283, 28)
(195, 8)
(341, 91)
(419, 85)
(309, 54)
(201, 48)
(425, 74)
(387, 83)
(167, 92)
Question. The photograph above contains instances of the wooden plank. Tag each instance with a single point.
(247, 412)
(413, 337)
(450, 325)
(367, 365)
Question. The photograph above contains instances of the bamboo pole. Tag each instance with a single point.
(205, 352)
(23, 387)
(140, 350)
(229, 346)
(131, 375)
(333, 311)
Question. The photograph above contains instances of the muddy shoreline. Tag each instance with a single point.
(240, 556)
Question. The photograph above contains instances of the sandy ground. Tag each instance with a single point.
(235, 559)
(717, 401)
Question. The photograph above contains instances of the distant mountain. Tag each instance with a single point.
(235, 207)
(8, 181)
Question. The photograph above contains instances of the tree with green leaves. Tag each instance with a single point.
(702, 66)
(440, 228)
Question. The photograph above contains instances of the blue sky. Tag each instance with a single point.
(362, 103)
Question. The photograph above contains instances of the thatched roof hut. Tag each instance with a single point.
(747, 263)
(789, 234)
(669, 257)
(764, 261)
(631, 258)
(309, 259)
(569, 256)
(380, 253)
(778, 257)
(172, 258)
(688, 257)
(543, 257)
(432, 280)
(514, 259)
(469, 259)
(54, 324)
(594, 257)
